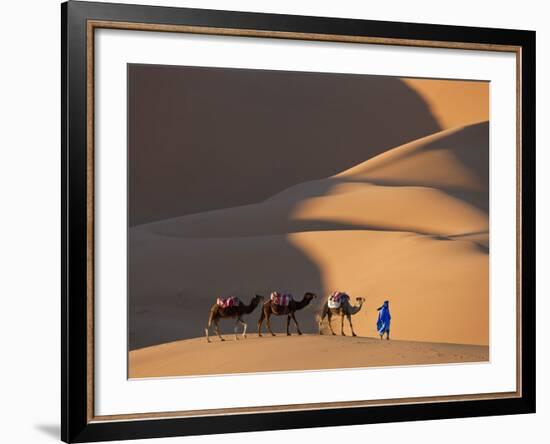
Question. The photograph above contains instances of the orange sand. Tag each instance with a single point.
(282, 353)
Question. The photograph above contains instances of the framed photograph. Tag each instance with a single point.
(275, 221)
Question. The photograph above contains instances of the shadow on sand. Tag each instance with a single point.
(209, 138)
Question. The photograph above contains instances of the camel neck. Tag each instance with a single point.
(356, 308)
(305, 301)
(250, 307)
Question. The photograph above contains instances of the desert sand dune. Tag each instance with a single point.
(195, 357)
(394, 227)
(411, 195)
(174, 282)
(418, 273)
(430, 281)
(454, 158)
(344, 206)
(389, 200)
(201, 136)
(339, 120)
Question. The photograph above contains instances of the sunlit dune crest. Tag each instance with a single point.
(454, 158)
(415, 209)
(453, 102)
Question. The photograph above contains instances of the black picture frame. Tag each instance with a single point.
(76, 327)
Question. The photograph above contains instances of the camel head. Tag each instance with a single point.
(309, 296)
(257, 299)
(358, 305)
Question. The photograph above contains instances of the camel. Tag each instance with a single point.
(269, 308)
(236, 311)
(345, 310)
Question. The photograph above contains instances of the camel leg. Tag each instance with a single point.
(235, 329)
(207, 329)
(342, 325)
(351, 325)
(296, 322)
(217, 323)
(288, 325)
(260, 322)
(244, 326)
(206, 332)
(329, 314)
(268, 323)
(207, 337)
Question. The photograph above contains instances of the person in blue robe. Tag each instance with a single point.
(384, 318)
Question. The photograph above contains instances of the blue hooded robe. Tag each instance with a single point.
(384, 318)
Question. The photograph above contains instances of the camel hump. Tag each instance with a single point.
(337, 298)
(280, 298)
(226, 302)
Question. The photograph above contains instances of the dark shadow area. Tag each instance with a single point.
(51, 430)
(304, 226)
(207, 138)
(174, 282)
(483, 248)
(483, 243)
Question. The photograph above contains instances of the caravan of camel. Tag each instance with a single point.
(281, 304)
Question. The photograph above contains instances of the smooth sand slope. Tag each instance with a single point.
(281, 353)
(409, 225)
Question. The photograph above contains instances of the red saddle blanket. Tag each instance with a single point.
(280, 298)
(228, 302)
(336, 299)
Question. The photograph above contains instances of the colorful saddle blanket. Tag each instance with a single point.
(228, 302)
(336, 299)
(281, 298)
